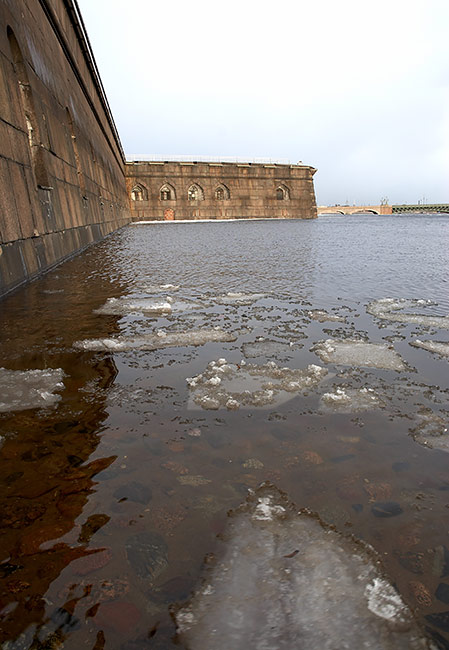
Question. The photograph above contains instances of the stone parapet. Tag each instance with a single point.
(188, 190)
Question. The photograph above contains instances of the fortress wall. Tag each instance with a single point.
(61, 162)
(252, 190)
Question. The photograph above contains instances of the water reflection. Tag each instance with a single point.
(112, 498)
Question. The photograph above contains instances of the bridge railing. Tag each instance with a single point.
(441, 208)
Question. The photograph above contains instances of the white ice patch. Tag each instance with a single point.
(122, 306)
(156, 341)
(21, 390)
(266, 348)
(161, 288)
(351, 400)
(385, 602)
(437, 347)
(431, 430)
(265, 510)
(322, 316)
(391, 309)
(232, 386)
(358, 353)
(238, 298)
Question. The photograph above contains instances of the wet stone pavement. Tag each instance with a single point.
(148, 384)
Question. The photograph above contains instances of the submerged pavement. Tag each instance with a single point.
(286, 580)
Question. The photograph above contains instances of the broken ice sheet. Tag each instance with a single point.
(125, 305)
(351, 400)
(283, 579)
(437, 347)
(267, 348)
(391, 309)
(238, 298)
(28, 389)
(353, 352)
(156, 341)
(431, 430)
(322, 316)
(231, 386)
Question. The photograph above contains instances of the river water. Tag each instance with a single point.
(118, 476)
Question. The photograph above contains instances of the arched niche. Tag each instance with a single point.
(139, 193)
(222, 193)
(282, 193)
(195, 193)
(167, 193)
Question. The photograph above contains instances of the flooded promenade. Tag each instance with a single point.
(148, 383)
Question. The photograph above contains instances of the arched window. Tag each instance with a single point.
(28, 106)
(167, 193)
(139, 193)
(195, 193)
(282, 193)
(222, 193)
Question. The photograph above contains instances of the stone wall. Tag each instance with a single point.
(61, 163)
(179, 190)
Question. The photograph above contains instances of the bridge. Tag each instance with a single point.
(437, 207)
(354, 209)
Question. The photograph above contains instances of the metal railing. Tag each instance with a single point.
(137, 157)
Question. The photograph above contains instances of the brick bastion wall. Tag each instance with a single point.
(61, 163)
(181, 190)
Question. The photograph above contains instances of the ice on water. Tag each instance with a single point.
(28, 389)
(266, 348)
(239, 298)
(323, 316)
(431, 430)
(232, 386)
(283, 579)
(126, 305)
(353, 352)
(392, 309)
(351, 400)
(437, 347)
(157, 341)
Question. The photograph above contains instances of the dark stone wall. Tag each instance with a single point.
(61, 162)
(247, 191)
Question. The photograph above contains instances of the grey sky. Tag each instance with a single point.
(359, 90)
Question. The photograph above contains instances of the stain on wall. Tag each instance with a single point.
(61, 161)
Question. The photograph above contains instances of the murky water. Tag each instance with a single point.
(113, 494)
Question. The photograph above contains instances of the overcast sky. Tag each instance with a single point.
(359, 90)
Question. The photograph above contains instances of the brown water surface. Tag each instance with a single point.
(111, 499)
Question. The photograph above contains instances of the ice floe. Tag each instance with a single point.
(431, 430)
(353, 352)
(156, 341)
(437, 347)
(233, 386)
(161, 288)
(238, 298)
(267, 348)
(351, 400)
(121, 306)
(28, 389)
(284, 579)
(322, 316)
(391, 309)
